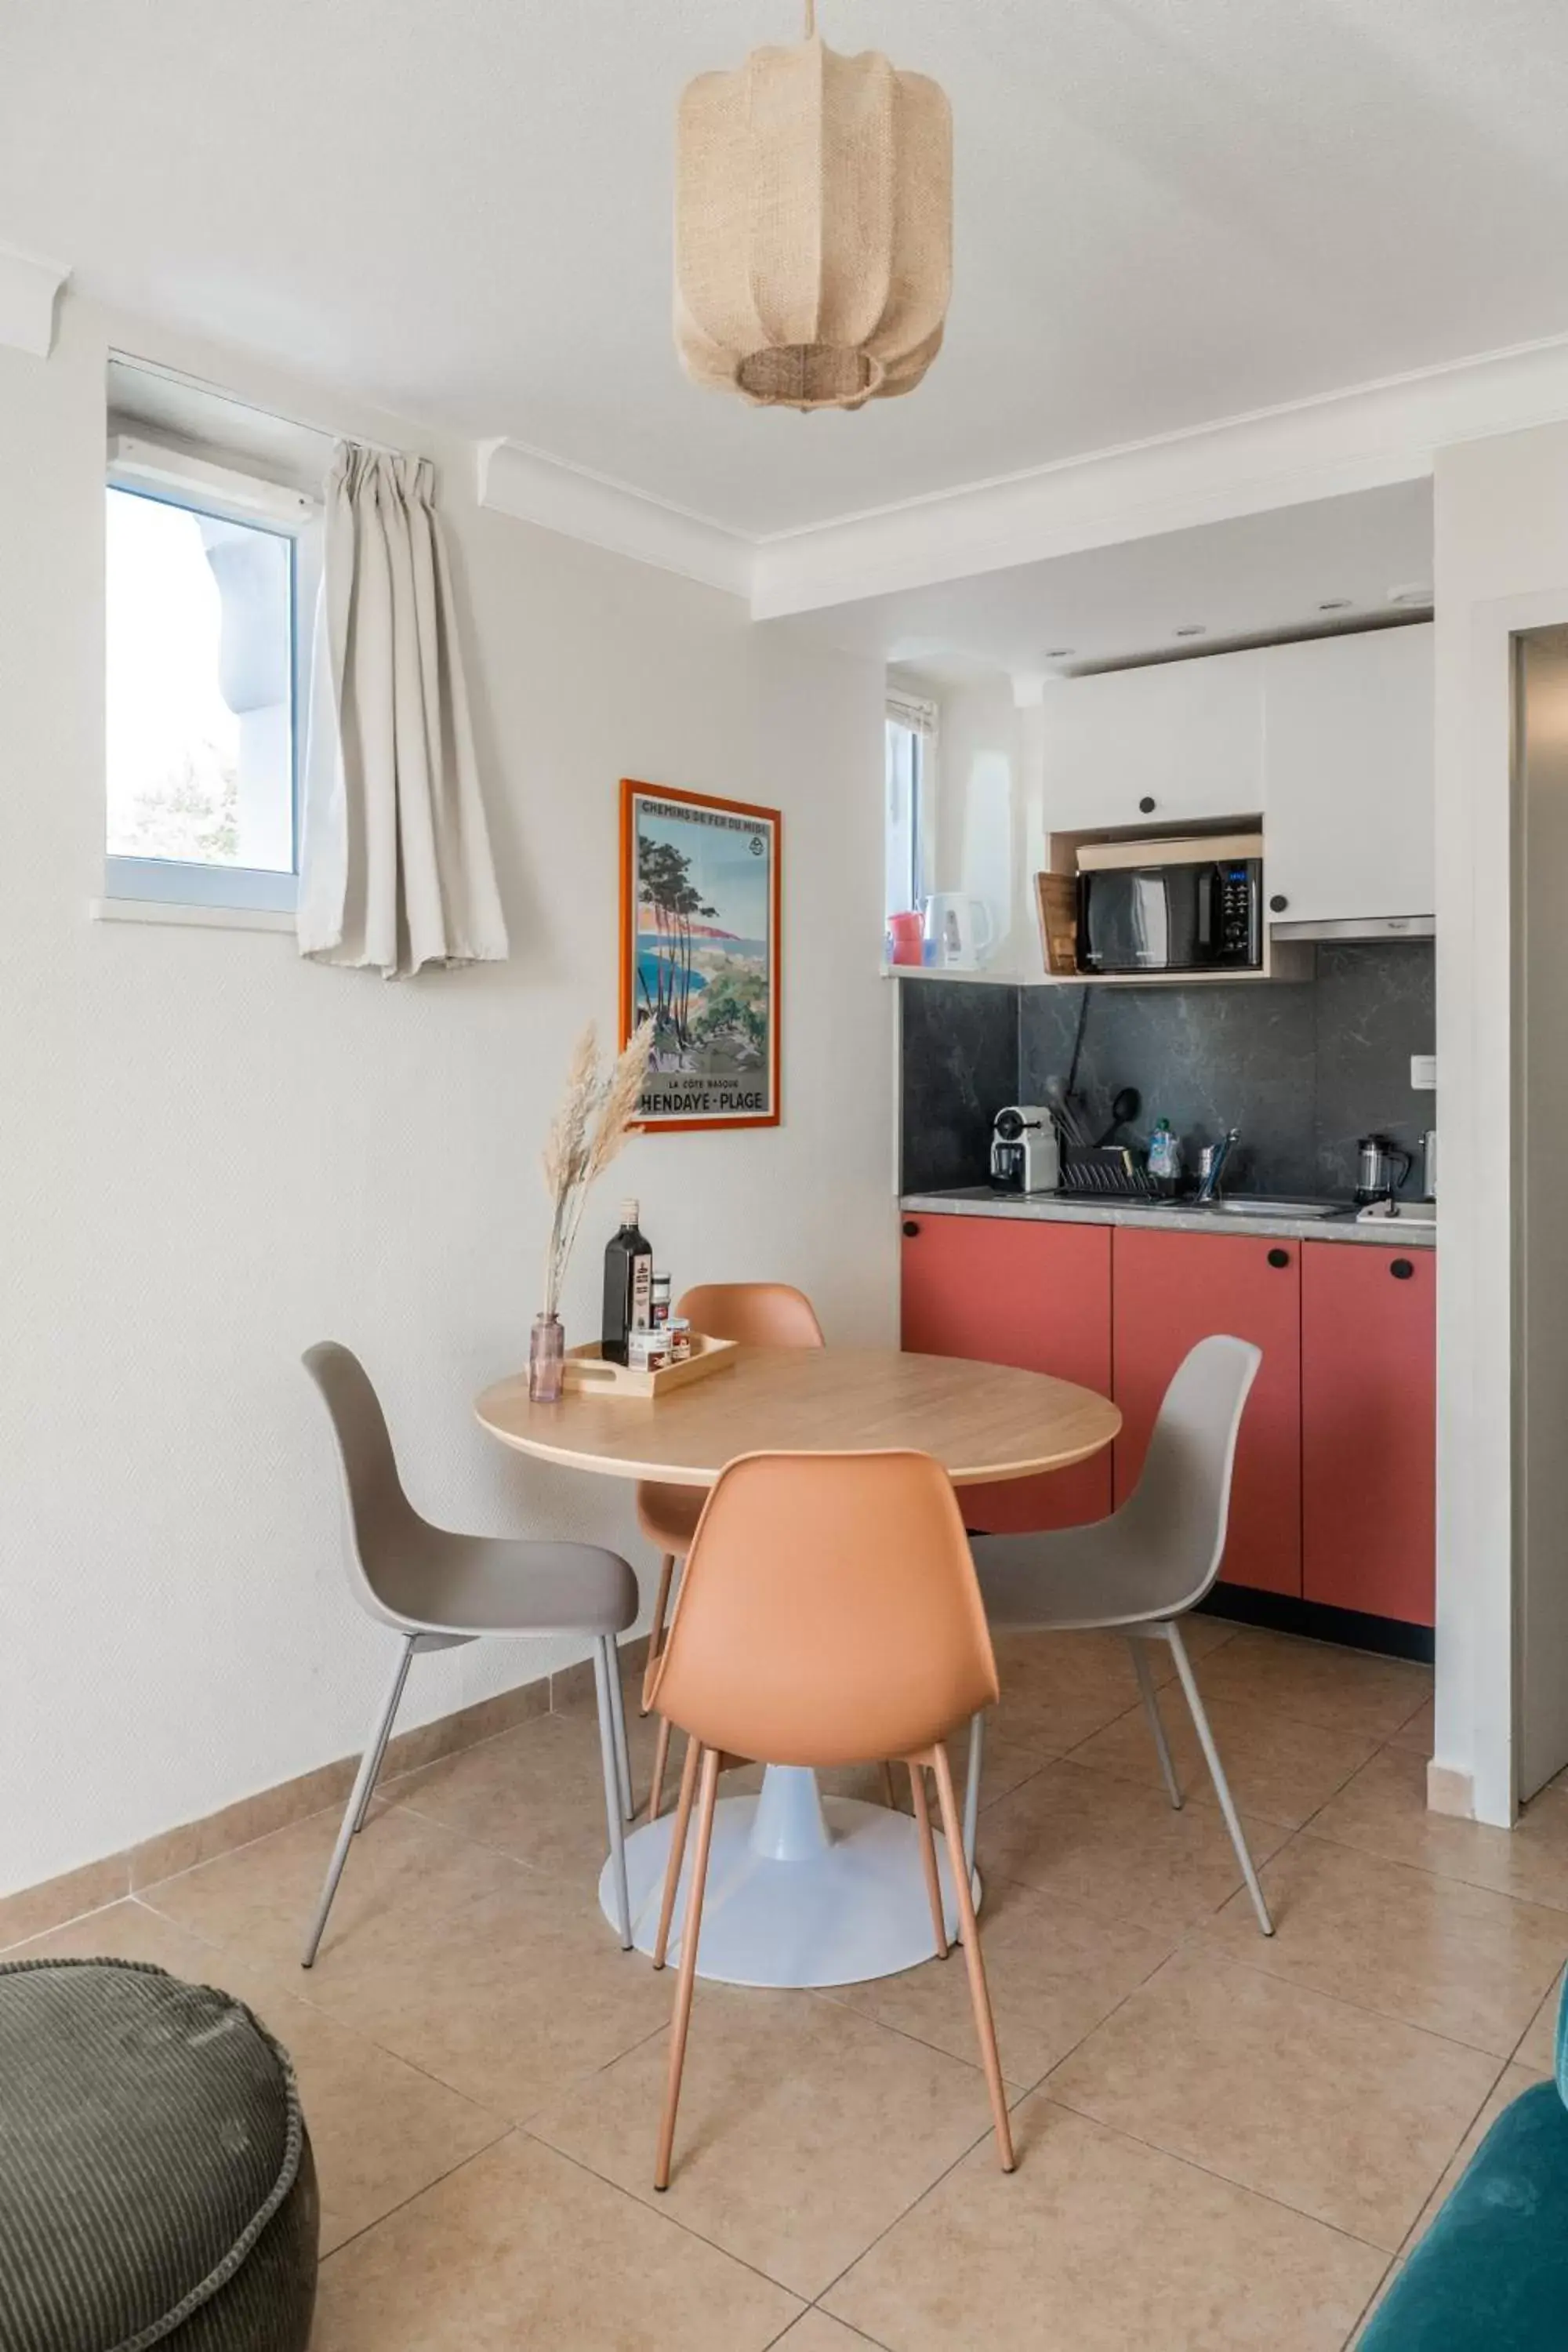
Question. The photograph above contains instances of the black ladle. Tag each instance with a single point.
(1125, 1104)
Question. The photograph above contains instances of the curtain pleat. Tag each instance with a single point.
(395, 870)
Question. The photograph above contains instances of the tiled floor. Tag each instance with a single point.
(1223, 2142)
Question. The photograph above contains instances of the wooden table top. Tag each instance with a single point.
(981, 1422)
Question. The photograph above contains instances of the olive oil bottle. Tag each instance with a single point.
(628, 1286)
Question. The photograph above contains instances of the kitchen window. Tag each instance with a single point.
(911, 742)
(210, 579)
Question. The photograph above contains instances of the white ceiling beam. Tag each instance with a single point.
(1354, 440)
(28, 288)
(535, 488)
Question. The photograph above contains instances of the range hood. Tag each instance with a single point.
(1360, 927)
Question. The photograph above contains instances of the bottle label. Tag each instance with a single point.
(642, 1292)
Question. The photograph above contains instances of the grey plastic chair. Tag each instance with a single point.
(439, 1590)
(1152, 1561)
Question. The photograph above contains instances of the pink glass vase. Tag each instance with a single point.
(546, 1357)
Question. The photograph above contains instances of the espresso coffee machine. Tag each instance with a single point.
(1024, 1152)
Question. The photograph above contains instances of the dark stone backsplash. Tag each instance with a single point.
(1302, 1069)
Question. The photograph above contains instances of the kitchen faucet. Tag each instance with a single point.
(1213, 1165)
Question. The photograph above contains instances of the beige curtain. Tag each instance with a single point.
(395, 867)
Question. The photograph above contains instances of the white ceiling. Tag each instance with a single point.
(1168, 211)
(1259, 575)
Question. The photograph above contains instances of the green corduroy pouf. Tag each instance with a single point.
(156, 2184)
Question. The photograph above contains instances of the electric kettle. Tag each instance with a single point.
(1381, 1168)
(958, 931)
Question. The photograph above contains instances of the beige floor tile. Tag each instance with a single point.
(1515, 2080)
(815, 2331)
(1055, 1970)
(804, 2129)
(33, 1910)
(536, 1793)
(1455, 1958)
(1383, 1811)
(1099, 2244)
(522, 2247)
(1344, 1690)
(1344, 2115)
(381, 2131)
(1384, 2286)
(1059, 1689)
(1277, 1765)
(1538, 2047)
(1117, 1849)
(507, 1999)
(1416, 1735)
(261, 1898)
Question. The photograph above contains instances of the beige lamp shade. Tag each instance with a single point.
(812, 227)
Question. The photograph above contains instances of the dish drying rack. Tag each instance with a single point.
(1105, 1171)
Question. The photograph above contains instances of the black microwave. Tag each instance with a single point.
(1200, 915)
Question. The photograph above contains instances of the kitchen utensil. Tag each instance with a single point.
(1429, 1164)
(1125, 1104)
(958, 930)
(1377, 1161)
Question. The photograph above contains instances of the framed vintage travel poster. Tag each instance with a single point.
(700, 955)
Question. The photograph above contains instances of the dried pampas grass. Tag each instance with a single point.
(591, 1121)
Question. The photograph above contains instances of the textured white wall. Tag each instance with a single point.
(211, 1155)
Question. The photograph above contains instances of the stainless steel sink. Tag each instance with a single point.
(1250, 1204)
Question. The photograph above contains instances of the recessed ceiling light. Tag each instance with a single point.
(1193, 629)
(1336, 605)
(1413, 592)
(1059, 653)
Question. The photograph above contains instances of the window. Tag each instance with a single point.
(911, 730)
(204, 689)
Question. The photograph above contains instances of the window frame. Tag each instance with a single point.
(289, 515)
(917, 723)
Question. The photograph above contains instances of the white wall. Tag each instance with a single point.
(213, 1154)
(1502, 546)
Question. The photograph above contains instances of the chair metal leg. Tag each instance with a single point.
(603, 1679)
(656, 1626)
(984, 2024)
(660, 1757)
(928, 1856)
(619, 1711)
(1152, 1709)
(688, 1980)
(971, 1788)
(359, 1797)
(677, 1845)
(889, 1788)
(1217, 1774)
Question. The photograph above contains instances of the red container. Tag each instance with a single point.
(907, 933)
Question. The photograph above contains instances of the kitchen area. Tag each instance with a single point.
(1166, 1067)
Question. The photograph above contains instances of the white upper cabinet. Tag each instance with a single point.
(1170, 744)
(1348, 812)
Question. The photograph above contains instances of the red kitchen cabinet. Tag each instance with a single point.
(1170, 1291)
(1369, 1404)
(1004, 1291)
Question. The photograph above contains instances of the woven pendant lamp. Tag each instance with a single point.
(813, 226)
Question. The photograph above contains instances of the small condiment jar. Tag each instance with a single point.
(678, 1331)
(647, 1352)
(659, 1315)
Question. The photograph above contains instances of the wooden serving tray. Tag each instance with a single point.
(585, 1371)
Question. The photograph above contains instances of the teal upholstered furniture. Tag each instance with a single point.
(1491, 2273)
(156, 2186)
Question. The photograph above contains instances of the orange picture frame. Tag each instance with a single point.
(701, 954)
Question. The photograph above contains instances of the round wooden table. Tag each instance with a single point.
(803, 1889)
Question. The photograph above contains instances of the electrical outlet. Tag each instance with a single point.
(1424, 1072)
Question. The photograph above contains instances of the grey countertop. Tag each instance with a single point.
(1414, 1230)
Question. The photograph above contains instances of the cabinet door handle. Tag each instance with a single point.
(910, 1228)
(1147, 805)
(1278, 904)
(1279, 1257)
(1401, 1269)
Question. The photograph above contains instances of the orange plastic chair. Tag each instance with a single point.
(758, 1315)
(829, 1614)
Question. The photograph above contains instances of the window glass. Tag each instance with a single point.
(200, 699)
